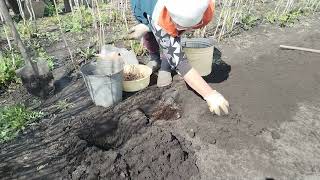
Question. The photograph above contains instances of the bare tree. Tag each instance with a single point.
(5, 12)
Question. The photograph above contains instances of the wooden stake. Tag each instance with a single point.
(300, 49)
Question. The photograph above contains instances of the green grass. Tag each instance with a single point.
(49, 9)
(9, 62)
(14, 119)
(286, 19)
(87, 53)
(78, 21)
(290, 17)
(284, 16)
(42, 54)
(137, 48)
(249, 21)
(26, 30)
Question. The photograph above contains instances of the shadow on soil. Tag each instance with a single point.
(39, 151)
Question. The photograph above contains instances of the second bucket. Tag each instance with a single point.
(104, 81)
(199, 52)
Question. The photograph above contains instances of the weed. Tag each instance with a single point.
(271, 17)
(290, 17)
(9, 62)
(14, 119)
(49, 9)
(87, 53)
(285, 19)
(116, 16)
(42, 54)
(137, 48)
(249, 21)
(26, 30)
(64, 105)
(39, 52)
(78, 21)
(112, 16)
(50, 37)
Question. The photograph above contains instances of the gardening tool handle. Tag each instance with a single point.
(300, 49)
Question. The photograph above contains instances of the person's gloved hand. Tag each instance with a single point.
(216, 101)
(137, 31)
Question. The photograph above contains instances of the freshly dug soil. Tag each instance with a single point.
(132, 76)
(97, 143)
(38, 85)
(153, 153)
(124, 144)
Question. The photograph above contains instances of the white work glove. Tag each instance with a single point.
(216, 101)
(138, 31)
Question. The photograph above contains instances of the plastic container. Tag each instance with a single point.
(136, 85)
(127, 56)
(104, 81)
(199, 52)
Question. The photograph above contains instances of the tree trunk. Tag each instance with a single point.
(5, 12)
(13, 4)
(67, 6)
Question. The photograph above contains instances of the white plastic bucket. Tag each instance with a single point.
(199, 52)
(104, 81)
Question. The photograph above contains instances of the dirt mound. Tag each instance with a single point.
(154, 153)
(126, 144)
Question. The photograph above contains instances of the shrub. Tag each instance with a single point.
(13, 119)
(9, 62)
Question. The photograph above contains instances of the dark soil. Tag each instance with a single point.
(153, 153)
(132, 76)
(40, 86)
(118, 143)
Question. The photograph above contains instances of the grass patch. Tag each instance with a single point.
(26, 30)
(86, 53)
(9, 62)
(49, 9)
(138, 48)
(286, 19)
(14, 119)
(290, 18)
(249, 21)
(78, 21)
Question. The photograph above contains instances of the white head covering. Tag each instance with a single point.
(187, 13)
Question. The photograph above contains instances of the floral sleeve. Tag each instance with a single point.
(171, 47)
